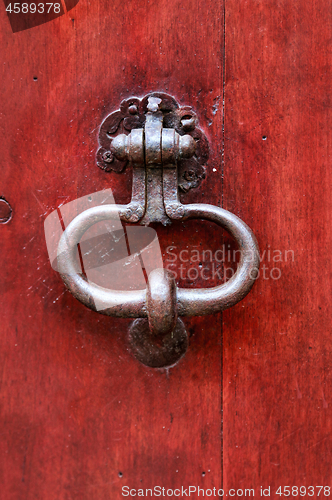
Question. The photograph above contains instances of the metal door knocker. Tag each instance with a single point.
(167, 150)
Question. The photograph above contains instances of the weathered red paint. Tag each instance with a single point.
(76, 408)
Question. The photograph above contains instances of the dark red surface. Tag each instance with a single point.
(76, 408)
(277, 177)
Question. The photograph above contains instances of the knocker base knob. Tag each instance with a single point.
(157, 352)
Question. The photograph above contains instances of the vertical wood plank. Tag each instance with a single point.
(277, 358)
(80, 417)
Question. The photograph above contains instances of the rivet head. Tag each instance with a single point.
(108, 157)
(175, 210)
(187, 146)
(133, 109)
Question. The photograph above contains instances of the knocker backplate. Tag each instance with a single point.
(132, 115)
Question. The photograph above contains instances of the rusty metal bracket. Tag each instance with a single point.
(160, 136)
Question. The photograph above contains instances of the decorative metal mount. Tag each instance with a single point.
(160, 138)
(132, 115)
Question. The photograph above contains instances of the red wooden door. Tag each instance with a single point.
(249, 405)
(277, 350)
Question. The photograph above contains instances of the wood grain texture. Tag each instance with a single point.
(80, 417)
(277, 343)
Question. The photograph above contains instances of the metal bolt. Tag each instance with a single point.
(188, 123)
(153, 104)
(108, 157)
